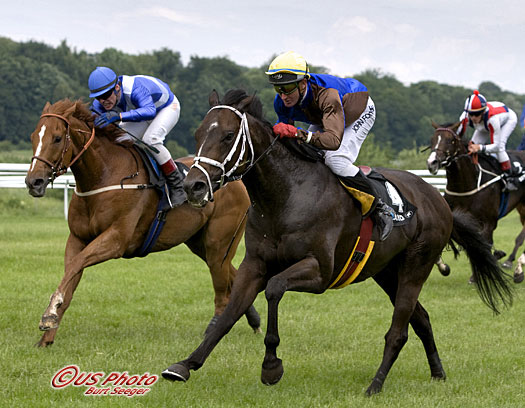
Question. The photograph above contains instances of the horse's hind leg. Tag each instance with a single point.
(517, 243)
(403, 295)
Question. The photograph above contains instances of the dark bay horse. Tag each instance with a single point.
(114, 223)
(475, 187)
(301, 229)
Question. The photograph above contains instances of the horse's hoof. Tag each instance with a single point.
(518, 278)
(42, 343)
(48, 322)
(498, 254)
(507, 265)
(441, 376)
(445, 271)
(258, 330)
(375, 388)
(176, 372)
(271, 376)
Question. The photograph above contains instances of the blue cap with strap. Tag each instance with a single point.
(101, 80)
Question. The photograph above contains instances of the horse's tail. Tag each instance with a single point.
(491, 281)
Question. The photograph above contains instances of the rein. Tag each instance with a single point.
(243, 135)
(452, 158)
(479, 185)
(59, 168)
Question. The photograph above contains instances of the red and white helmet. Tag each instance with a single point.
(475, 103)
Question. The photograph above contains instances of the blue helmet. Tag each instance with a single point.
(101, 80)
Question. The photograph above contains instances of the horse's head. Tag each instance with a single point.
(224, 145)
(445, 145)
(52, 145)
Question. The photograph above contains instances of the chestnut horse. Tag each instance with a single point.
(114, 222)
(475, 187)
(301, 229)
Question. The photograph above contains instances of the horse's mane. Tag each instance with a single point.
(235, 97)
(83, 113)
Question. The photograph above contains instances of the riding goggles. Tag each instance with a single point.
(286, 89)
(105, 95)
(478, 113)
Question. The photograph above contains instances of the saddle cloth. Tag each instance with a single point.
(390, 194)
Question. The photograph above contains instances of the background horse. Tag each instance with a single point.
(114, 223)
(486, 204)
(302, 227)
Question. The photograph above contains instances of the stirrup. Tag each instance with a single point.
(509, 183)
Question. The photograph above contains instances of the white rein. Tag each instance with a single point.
(479, 186)
(243, 134)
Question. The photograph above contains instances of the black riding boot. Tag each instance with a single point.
(174, 179)
(382, 213)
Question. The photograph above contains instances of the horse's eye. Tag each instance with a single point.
(229, 136)
(57, 139)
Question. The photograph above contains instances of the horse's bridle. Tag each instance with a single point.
(59, 168)
(243, 136)
(449, 158)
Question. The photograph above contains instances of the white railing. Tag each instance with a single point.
(12, 175)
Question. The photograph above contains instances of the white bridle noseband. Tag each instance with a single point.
(243, 135)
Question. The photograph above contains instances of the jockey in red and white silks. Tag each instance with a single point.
(494, 130)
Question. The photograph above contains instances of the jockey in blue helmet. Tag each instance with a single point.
(146, 108)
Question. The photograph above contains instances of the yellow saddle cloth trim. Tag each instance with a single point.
(365, 199)
(352, 263)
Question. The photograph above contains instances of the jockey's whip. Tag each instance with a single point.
(137, 140)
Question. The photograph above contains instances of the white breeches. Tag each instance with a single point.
(153, 132)
(341, 161)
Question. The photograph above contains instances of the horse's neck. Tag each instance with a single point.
(99, 165)
(462, 175)
(279, 177)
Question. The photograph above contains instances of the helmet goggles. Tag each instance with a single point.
(286, 89)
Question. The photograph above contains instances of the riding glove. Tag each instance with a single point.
(284, 130)
(106, 118)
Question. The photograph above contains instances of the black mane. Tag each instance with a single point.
(235, 97)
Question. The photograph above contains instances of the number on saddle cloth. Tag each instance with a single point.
(390, 194)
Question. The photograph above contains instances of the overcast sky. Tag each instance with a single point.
(460, 42)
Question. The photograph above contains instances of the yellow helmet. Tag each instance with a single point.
(287, 68)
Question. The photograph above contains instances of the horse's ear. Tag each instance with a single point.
(455, 126)
(244, 105)
(434, 125)
(213, 99)
(46, 107)
(70, 111)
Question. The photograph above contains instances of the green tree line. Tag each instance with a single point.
(33, 73)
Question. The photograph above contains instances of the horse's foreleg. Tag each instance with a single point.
(303, 276)
(248, 283)
(222, 240)
(106, 246)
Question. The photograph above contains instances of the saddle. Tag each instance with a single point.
(404, 210)
(492, 164)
